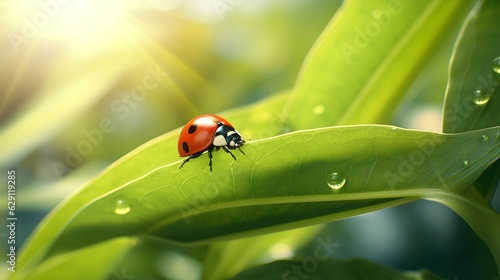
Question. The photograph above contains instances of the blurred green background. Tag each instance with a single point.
(84, 82)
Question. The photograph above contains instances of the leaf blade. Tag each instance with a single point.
(471, 70)
(353, 77)
(274, 184)
(472, 97)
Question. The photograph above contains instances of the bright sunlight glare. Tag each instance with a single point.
(84, 18)
(75, 22)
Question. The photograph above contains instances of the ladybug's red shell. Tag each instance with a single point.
(208, 133)
(198, 134)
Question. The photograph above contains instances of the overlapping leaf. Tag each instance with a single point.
(473, 95)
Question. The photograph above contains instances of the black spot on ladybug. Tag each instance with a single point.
(185, 147)
(191, 130)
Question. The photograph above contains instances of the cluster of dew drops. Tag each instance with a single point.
(481, 97)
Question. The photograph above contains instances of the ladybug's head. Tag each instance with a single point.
(228, 136)
(234, 140)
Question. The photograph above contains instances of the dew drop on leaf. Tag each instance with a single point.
(496, 65)
(122, 207)
(485, 138)
(481, 97)
(336, 181)
(466, 163)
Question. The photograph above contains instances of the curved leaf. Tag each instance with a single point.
(482, 219)
(282, 182)
(366, 59)
(473, 94)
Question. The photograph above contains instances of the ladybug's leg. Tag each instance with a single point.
(190, 157)
(210, 157)
(184, 162)
(228, 151)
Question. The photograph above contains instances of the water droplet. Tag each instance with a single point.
(496, 65)
(122, 207)
(394, 129)
(336, 181)
(485, 138)
(466, 163)
(481, 97)
(319, 109)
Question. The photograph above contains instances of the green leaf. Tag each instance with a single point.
(281, 183)
(473, 95)
(481, 218)
(472, 102)
(311, 268)
(91, 262)
(366, 59)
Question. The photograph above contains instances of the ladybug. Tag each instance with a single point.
(206, 133)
